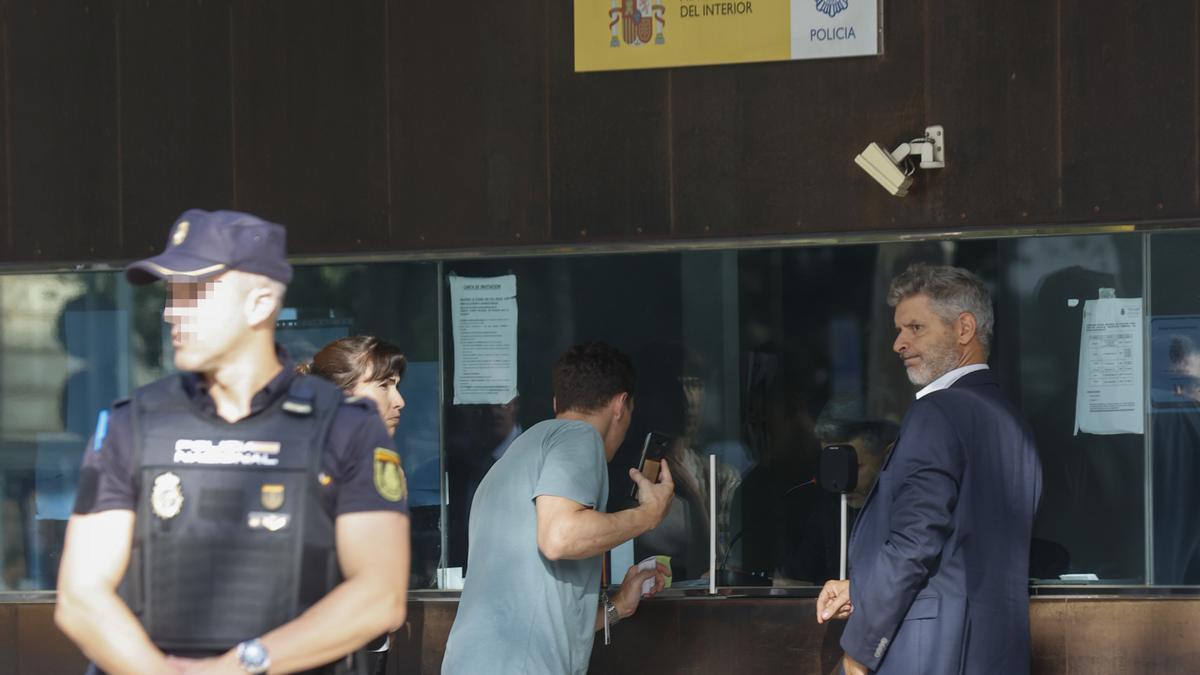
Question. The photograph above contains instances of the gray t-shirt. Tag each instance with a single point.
(521, 613)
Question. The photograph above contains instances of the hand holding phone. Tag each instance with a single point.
(654, 449)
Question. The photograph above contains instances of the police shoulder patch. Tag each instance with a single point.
(390, 482)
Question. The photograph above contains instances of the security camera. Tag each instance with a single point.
(879, 164)
(893, 170)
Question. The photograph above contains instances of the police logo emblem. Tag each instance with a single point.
(832, 7)
(390, 482)
(181, 231)
(166, 496)
(272, 496)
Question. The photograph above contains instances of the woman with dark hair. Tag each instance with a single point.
(363, 365)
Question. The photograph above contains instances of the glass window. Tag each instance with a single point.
(1174, 432)
(396, 302)
(71, 344)
(68, 347)
(675, 316)
(763, 357)
(758, 357)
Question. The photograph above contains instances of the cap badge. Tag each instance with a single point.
(166, 495)
(181, 232)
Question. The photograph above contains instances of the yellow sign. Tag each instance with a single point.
(628, 34)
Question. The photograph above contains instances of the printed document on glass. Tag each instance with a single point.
(483, 316)
(1110, 394)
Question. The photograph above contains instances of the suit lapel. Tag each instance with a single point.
(972, 379)
(871, 493)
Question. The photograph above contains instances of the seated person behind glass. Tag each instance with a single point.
(810, 550)
(671, 405)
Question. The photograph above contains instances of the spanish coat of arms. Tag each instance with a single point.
(634, 22)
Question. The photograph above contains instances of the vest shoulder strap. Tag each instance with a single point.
(157, 395)
(310, 395)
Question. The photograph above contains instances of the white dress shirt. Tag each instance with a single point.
(950, 378)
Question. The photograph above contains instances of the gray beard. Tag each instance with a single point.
(934, 364)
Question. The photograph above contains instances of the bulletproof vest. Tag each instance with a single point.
(232, 538)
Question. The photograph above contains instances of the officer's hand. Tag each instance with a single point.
(834, 601)
(630, 593)
(655, 498)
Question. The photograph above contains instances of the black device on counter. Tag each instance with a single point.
(839, 468)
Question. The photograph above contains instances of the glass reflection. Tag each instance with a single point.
(758, 357)
(1175, 407)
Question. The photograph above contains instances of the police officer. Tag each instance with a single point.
(234, 517)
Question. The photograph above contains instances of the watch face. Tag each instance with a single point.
(255, 653)
(253, 656)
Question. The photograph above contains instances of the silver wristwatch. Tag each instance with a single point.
(611, 614)
(252, 657)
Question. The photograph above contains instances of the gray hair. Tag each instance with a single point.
(951, 291)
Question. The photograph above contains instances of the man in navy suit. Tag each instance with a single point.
(939, 557)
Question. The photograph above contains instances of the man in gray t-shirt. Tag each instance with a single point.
(538, 531)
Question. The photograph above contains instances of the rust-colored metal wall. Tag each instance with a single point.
(1071, 636)
(396, 125)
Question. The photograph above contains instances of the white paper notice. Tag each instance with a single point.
(1110, 395)
(483, 315)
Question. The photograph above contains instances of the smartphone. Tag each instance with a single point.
(654, 449)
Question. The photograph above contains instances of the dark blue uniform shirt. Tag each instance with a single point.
(107, 478)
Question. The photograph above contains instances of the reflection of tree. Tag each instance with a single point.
(44, 435)
(29, 307)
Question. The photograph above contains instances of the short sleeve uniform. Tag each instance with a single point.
(348, 480)
(521, 613)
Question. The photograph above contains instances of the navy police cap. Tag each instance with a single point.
(204, 244)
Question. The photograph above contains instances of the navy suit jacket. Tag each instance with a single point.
(939, 556)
